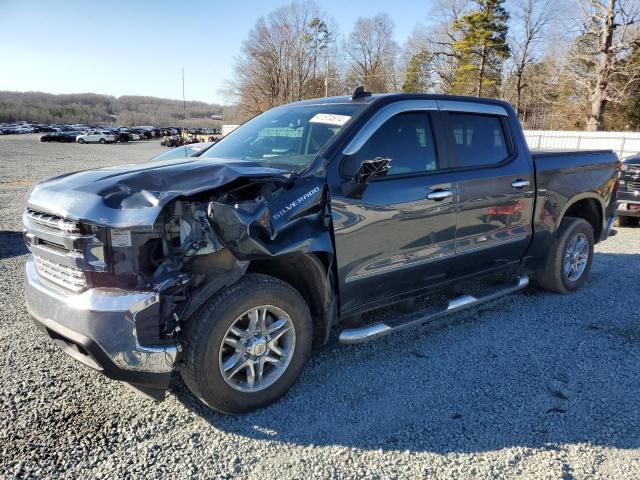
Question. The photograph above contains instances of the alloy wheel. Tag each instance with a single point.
(257, 348)
(576, 257)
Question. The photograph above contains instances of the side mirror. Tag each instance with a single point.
(361, 175)
(370, 169)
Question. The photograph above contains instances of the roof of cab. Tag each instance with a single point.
(387, 97)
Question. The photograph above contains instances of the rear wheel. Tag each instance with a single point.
(247, 346)
(570, 257)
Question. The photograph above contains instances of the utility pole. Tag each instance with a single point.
(184, 108)
(184, 102)
(326, 76)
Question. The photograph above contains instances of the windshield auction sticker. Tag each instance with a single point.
(330, 119)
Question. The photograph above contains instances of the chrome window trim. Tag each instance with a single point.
(381, 116)
(461, 106)
(404, 106)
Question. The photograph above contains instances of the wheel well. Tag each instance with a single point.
(589, 210)
(307, 273)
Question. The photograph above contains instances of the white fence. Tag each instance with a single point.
(623, 143)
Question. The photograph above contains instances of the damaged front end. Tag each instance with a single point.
(142, 267)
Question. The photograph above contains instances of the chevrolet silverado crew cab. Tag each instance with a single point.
(230, 265)
(629, 192)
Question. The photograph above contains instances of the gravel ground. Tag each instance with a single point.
(536, 385)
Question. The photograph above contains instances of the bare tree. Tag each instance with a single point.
(531, 18)
(441, 38)
(612, 24)
(371, 53)
(279, 59)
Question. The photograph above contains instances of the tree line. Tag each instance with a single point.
(105, 109)
(563, 64)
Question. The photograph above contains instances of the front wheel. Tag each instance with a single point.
(570, 257)
(81, 140)
(247, 345)
(103, 141)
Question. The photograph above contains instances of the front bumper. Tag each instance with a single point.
(626, 197)
(97, 328)
(624, 200)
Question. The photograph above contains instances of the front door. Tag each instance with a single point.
(398, 235)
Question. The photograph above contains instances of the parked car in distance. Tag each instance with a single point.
(95, 136)
(629, 192)
(46, 129)
(58, 137)
(228, 266)
(128, 135)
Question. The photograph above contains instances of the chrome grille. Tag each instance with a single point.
(633, 185)
(59, 248)
(64, 276)
(53, 221)
(633, 171)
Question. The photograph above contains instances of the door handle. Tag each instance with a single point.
(520, 183)
(439, 195)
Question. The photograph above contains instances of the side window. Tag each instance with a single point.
(477, 139)
(407, 140)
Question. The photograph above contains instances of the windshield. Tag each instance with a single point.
(287, 137)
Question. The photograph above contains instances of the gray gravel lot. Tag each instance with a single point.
(536, 385)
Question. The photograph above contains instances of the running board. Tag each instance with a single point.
(366, 333)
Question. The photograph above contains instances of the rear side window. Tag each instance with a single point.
(407, 140)
(477, 139)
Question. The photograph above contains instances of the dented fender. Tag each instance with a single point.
(295, 222)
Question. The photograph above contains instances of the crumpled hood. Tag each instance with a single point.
(129, 196)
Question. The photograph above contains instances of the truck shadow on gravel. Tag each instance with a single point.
(532, 370)
(11, 244)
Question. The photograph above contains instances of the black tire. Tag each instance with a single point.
(81, 140)
(204, 333)
(103, 141)
(553, 278)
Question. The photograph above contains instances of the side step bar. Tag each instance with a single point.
(366, 333)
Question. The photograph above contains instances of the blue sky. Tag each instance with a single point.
(138, 48)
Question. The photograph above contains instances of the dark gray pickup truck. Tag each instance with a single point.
(628, 210)
(230, 265)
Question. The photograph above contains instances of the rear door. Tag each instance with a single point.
(398, 235)
(495, 186)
